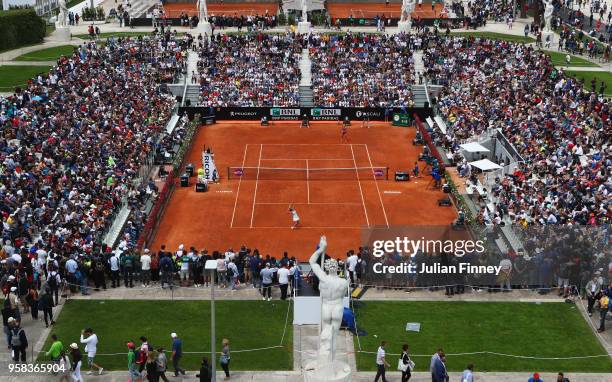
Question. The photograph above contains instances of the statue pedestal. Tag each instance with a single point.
(61, 33)
(404, 26)
(204, 28)
(337, 371)
(303, 27)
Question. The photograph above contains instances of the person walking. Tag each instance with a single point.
(468, 373)
(18, 341)
(131, 356)
(436, 365)
(177, 353)
(45, 303)
(90, 339)
(76, 362)
(162, 364)
(56, 349)
(224, 360)
(65, 368)
(407, 364)
(381, 362)
(205, 371)
(151, 367)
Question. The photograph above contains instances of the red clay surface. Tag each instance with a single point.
(254, 212)
(244, 9)
(363, 10)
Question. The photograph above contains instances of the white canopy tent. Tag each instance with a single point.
(474, 147)
(485, 165)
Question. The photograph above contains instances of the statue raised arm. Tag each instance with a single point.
(332, 289)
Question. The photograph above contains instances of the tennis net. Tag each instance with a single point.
(277, 173)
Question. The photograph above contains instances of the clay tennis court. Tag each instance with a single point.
(371, 10)
(337, 188)
(241, 9)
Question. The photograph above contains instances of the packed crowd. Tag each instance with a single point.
(250, 70)
(71, 147)
(251, 22)
(362, 70)
(478, 12)
(560, 128)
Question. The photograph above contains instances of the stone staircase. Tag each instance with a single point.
(420, 95)
(192, 94)
(141, 7)
(306, 95)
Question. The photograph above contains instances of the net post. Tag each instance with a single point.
(228, 173)
(387, 173)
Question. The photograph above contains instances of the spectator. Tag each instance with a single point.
(76, 362)
(90, 339)
(535, 378)
(205, 371)
(56, 349)
(18, 341)
(177, 354)
(225, 358)
(468, 375)
(381, 363)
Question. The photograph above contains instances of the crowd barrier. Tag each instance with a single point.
(155, 216)
(297, 113)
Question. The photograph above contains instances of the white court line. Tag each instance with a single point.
(307, 183)
(256, 184)
(313, 203)
(360, 190)
(306, 159)
(377, 189)
(306, 144)
(239, 183)
(303, 227)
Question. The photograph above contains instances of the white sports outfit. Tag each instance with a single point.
(296, 218)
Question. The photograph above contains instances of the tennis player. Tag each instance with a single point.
(344, 133)
(295, 217)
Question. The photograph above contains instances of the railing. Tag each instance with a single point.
(430, 144)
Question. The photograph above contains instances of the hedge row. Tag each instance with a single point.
(20, 27)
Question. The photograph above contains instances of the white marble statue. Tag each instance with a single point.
(62, 16)
(407, 9)
(304, 10)
(332, 289)
(202, 11)
(548, 14)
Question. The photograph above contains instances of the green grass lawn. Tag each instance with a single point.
(606, 77)
(527, 329)
(496, 36)
(247, 324)
(558, 59)
(48, 54)
(12, 76)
